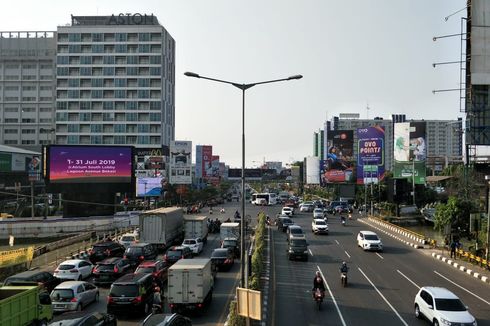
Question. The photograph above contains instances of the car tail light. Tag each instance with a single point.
(155, 274)
(95, 270)
(227, 261)
(137, 299)
(108, 252)
(199, 305)
(73, 270)
(73, 300)
(142, 257)
(110, 299)
(116, 270)
(171, 305)
(125, 257)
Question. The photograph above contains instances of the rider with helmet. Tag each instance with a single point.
(318, 283)
(343, 268)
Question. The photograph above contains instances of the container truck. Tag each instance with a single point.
(196, 227)
(24, 305)
(162, 227)
(229, 230)
(190, 284)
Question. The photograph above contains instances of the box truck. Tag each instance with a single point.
(24, 305)
(196, 227)
(229, 230)
(162, 227)
(190, 284)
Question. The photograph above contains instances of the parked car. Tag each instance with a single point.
(86, 319)
(73, 296)
(287, 211)
(318, 213)
(195, 245)
(175, 253)
(46, 279)
(110, 269)
(73, 269)
(222, 258)
(132, 293)
(167, 320)
(128, 239)
(138, 252)
(295, 232)
(441, 307)
(157, 268)
(103, 250)
(298, 248)
(283, 223)
(319, 226)
(369, 240)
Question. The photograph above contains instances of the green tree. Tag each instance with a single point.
(447, 213)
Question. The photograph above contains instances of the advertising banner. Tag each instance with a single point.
(312, 170)
(199, 163)
(340, 151)
(148, 186)
(214, 176)
(180, 162)
(371, 156)
(207, 158)
(410, 151)
(18, 162)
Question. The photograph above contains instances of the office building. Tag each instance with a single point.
(27, 74)
(115, 82)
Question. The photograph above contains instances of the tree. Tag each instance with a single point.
(446, 213)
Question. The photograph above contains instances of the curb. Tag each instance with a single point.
(394, 228)
(414, 245)
(462, 268)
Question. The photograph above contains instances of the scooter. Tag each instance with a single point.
(318, 296)
(343, 279)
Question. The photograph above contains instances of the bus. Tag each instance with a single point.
(264, 199)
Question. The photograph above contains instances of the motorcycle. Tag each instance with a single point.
(343, 279)
(156, 309)
(318, 296)
(343, 222)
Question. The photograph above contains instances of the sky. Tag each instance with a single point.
(351, 53)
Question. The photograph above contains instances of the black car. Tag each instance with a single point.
(283, 223)
(131, 293)
(222, 258)
(103, 250)
(167, 320)
(48, 281)
(298, 248)
(232, 243)
(175, 253)
(110, 269)
(86, 319)
(138, 252)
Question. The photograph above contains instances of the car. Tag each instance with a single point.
(106, 249)
(297, 249)
(222, 258)
(46, 279)
(318, 213)
(110, 269)
(86, 319)
(157, 268)
(73, 269)
(232, 243)
(441, 307)
(73, 296)
(131, 293)
(138, 252)
(283, 223)
(295, 232)
(167, 320)
(128, 239)
(175, 253)
(369, 240)
(319, 226)
(287, 211)
(306, 207)
(194, 244)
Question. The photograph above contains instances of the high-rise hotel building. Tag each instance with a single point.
(115, 82)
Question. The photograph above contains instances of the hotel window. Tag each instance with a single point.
(131, 117)
(155, 105)
(155, 116)
(72, 128)
(96, 93)
(11, 109)
(143, 140)
(132, 71)
(109, 71)
(143, 82)
(11, 131)
(62, 71)
(72, 139)
(144, 48)
(143, 129)
(96, 139)
(62, 105)
(108, 105)
(97, 82)
(86, 60)
(11, 120)
(155, 71)
(73, 93)
(155, 59)
(84, 116)
(28, 142)
(120, 93)
(109, 60)
(119, 128)
(10, 142)
(96, 128)
(62, 60)
(85, 105)
(132, 60)
(85, 71)
(97, 37)
(121, 48)
(144, 37)
(120, 82)
(143, 93)
(119, 139)
(73, 82)
(74, 37)
(121, 37)
(74, 48)
(131, 105)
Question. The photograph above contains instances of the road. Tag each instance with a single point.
(382, 286)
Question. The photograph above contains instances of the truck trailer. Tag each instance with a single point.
(162, 227)
(196, 227)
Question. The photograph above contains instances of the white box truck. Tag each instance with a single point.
(229, 230)
(190, 284)
(162, 227)
(196, 227)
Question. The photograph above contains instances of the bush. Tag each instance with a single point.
(257, 254)
(234, 318)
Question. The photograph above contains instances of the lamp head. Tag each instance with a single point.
(295, 77)
(191, 74)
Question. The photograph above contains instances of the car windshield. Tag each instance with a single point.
(60, 294)
(450, 305)
(134, 251)
(126, 290)
(320, 223)
(318, 210)
(66, 267)
(286, 209)
(100, 248)
(371, 237)
(298, 243)
(229, 243)
(296, 231)
(189, 241)
(105, 267)
(219, 254)
(174, 253)
(287, 221)
(127, 238)
(143, 270)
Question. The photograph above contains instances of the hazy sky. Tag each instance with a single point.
(350, 52)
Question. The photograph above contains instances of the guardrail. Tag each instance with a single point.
(477, 260)
(409, 233)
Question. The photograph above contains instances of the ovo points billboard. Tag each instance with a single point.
(370, 155)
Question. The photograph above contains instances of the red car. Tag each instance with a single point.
(158, 268)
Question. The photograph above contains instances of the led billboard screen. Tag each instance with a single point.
(339, 159)
(370, 158)
(148, 186)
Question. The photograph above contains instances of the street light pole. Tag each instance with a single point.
(243, 87)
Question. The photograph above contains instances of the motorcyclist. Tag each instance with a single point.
(237, 215)
(318, 284)
(342, 219)
(157, 298)
(343, 268)
(267, 220)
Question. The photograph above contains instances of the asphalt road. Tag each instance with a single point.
(382, 286)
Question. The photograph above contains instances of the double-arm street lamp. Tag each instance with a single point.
(243, 87)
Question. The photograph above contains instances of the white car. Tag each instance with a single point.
(73, 296)
(74, 269)
(195, 245)
(288, 211)
(369, 240)
(441, 307)
(128, 239)
(306, 207)
(319, 226)
(318, 213)
(295, 232)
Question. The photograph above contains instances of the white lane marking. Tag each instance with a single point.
(337, 242)
(408, 279)
(310, 252)
(462, 288)
(333, 298)
(379, 256)
(347, 253)
(382, 296)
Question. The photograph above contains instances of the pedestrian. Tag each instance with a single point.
(453, 249)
